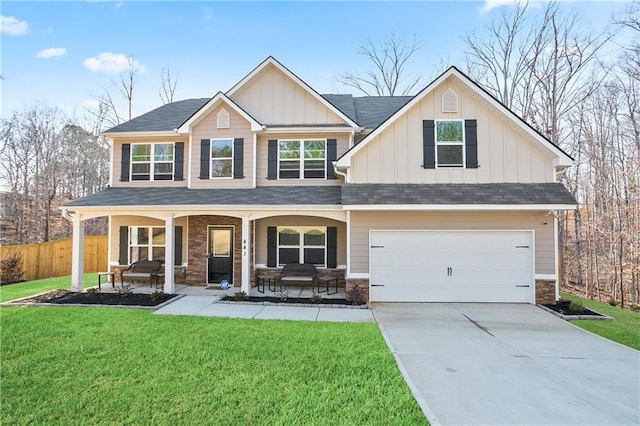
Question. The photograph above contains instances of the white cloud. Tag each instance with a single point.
(110, 63)
(51, 52)
(13, 26)
(90, 104)
(494, 4)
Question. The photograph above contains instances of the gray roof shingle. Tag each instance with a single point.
(372, 111)
(271, 196)
(457, 194)
(164, 118)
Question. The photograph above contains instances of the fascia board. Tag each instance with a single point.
(272, 61)
(309, 129)
(459, 207)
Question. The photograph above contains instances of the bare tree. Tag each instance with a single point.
(127, 83)
(168, 86)
(388, 75)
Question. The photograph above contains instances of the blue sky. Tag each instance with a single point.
(63, 53)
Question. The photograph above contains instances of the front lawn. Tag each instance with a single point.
(625, 329)
(125, 366)
(29, 288)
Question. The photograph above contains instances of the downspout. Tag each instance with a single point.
(335, 169)
(66, 215)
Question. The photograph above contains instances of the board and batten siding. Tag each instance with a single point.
(118, 221)
(207, 128)
(116, 162)
(363, 222)
(342, 145)
(261, 234)
(272, 97)
(505, 154)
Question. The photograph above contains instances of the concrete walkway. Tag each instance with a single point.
(508, 364)
(206, 306)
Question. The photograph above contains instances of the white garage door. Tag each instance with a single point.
(451, 266)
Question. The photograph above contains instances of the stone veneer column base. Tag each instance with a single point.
(545, 292)
(357, 290)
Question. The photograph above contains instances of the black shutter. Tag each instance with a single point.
(272, 162)
(205, 158)
(428, 144)
(178, 161)
(332, 247)
(177, 255)
(272, 246)
(125, 162)
(471, 143)
(123, 258)
(332, 155)
(238, 158)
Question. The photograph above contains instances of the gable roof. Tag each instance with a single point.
(213, 102)
(165, 118)
(562, 158)
(272, 61)
(368, 111)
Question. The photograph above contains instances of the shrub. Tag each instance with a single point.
(93, 291)
(635, 307)
(240, 296)
(315, 298)
(157, 295)
(11, 268)
(576, 306)
(124, 290)
(613, 302)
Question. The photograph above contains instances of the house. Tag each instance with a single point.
(445, 196)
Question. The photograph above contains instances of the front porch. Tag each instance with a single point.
(213, 291)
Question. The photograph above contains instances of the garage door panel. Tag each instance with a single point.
(451, 266)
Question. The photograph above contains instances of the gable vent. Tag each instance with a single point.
(449, 101)
(223, 119)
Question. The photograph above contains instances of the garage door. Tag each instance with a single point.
(451, 266)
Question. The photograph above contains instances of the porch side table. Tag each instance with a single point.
(326, 281)
(109, 276)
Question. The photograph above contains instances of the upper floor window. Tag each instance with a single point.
(221, 158)
(302, 159)
(152, 161)
(450, 143)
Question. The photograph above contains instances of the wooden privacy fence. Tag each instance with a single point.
(53, 258)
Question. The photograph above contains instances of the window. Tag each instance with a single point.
(221, 158)
(302, 159)
(306, 244)
(152, 161)
(450, 143)
(146, 243)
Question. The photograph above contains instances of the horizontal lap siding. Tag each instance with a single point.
(342, 145)
(505, 153)
(263, 224)
(239, 127)
(117, 161)
(363, 222)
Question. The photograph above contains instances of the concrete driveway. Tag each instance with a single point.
(509, 364)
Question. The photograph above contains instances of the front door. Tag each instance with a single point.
(220, 255)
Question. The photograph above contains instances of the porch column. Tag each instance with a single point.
(77, 254)
(169, 255)
(245, 255)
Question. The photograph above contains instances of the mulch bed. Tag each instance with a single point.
(292, 300)
(65, 297)
(562, 307)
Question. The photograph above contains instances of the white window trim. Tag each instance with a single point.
(150, 246)
(301, 159)
(221, 158)
(301, 230)
(464, 150)
(152, 162)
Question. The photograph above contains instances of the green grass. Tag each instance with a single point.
(63, 365)
(29, 288)
(625, 329)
